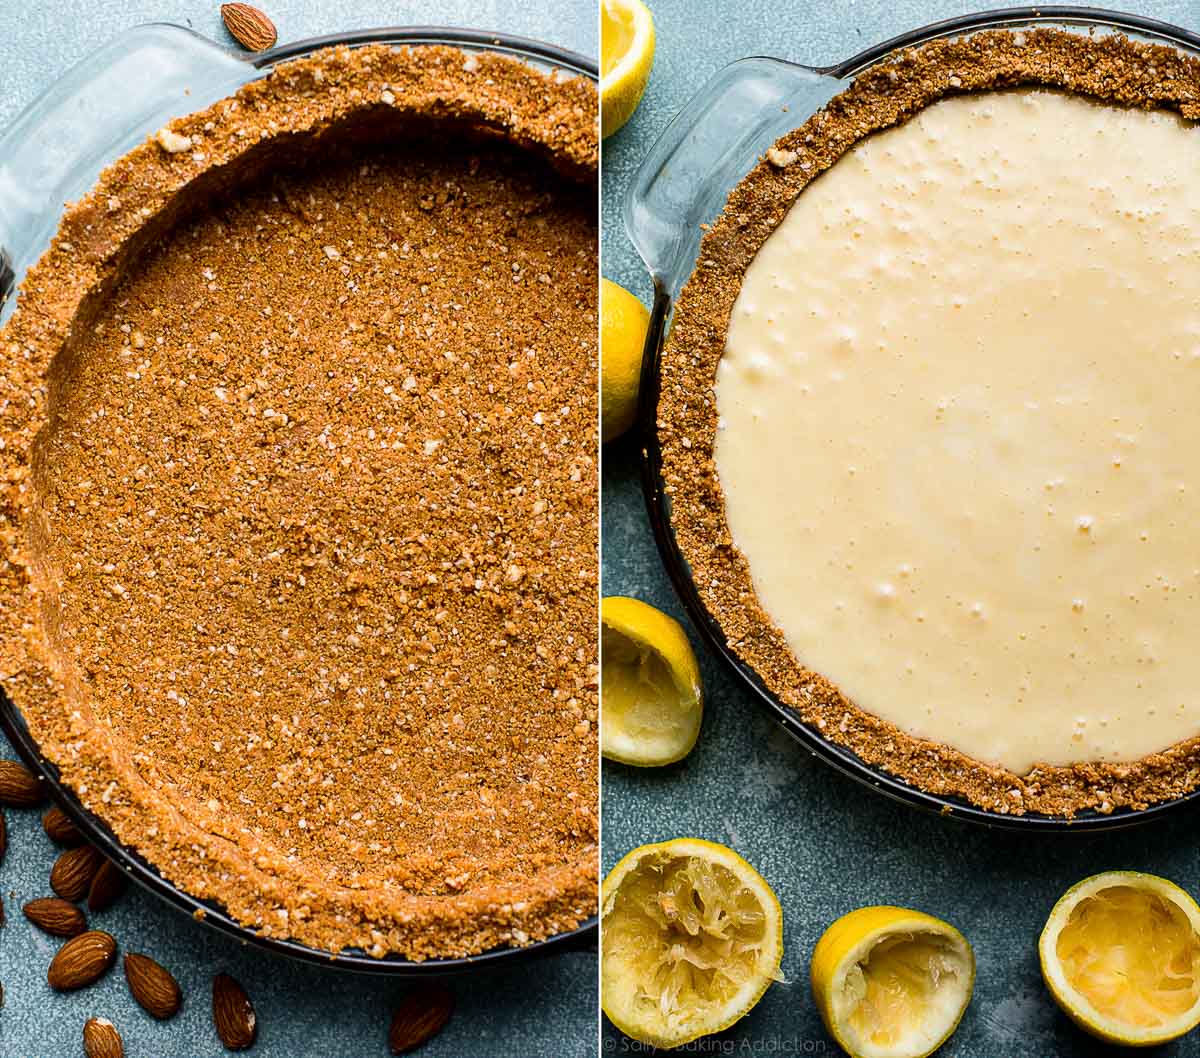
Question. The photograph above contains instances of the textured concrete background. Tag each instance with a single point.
(826, 844)
(539, 1008)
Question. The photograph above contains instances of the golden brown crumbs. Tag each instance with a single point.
(1110, 68)
(299, 507)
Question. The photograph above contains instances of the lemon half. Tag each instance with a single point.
(650, 699)
(626, 55)
(691, 937)
(1121, 955)
(891, 983)
(623, 323)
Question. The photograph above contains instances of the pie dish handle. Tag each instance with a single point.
(103, 105)
(708, 147)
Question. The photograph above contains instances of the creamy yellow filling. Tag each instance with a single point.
(959, 433)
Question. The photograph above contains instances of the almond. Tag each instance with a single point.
(233, 1014)
(81, 961)
(249, 26)
(107, 886)
(59, 828)
(420, 1016)
(56, 917)
(101, 1039)
(19, 787)
(73, 871)
(155, 990)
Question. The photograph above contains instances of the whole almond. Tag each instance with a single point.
(233, 1013)
(249, 26)
(101, 1039)
(81, 961)
(420, 1016)
(73, 871)
(19, 787)
(59, 828)
(155, 990)
(107, 886)
(56, 917)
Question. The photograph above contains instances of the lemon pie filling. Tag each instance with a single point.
(957, 434)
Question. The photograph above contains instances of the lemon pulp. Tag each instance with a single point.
(1120, 954)
(650, 685)
(690, 942)
(626, 55)
(1133, 955)
(640, 696)
(901, 986)
(891, 982)
(617, 34)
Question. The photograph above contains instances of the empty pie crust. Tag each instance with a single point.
(298, 502)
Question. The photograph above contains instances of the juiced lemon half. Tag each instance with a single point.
(691, 937)
(626, 55)
(891, 983)
(623, 323)
(1121, 955)
(649, 685)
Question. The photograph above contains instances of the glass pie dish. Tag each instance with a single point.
(679, 189)
(51, 155)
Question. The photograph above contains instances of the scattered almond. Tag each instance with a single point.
(56, 917)
(155, 989)
(59, 828)
(82, 961)
(101, 1039)
(249, 26)
(107, 886)
(19, 787)
(233, 1014)
(73, 871)
(420, 1016)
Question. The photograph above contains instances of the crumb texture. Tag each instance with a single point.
(301, 502)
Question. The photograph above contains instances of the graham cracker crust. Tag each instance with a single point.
(298, 502)
(1108, 68)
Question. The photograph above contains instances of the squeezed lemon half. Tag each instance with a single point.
(890, 982)
(1120, 953)
(623, 323)
(626, 55)
(691, 937)
(650, 695)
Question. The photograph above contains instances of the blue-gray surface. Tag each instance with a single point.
(826, 844)
(539, 1008)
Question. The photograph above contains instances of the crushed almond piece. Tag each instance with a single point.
(173, 142)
